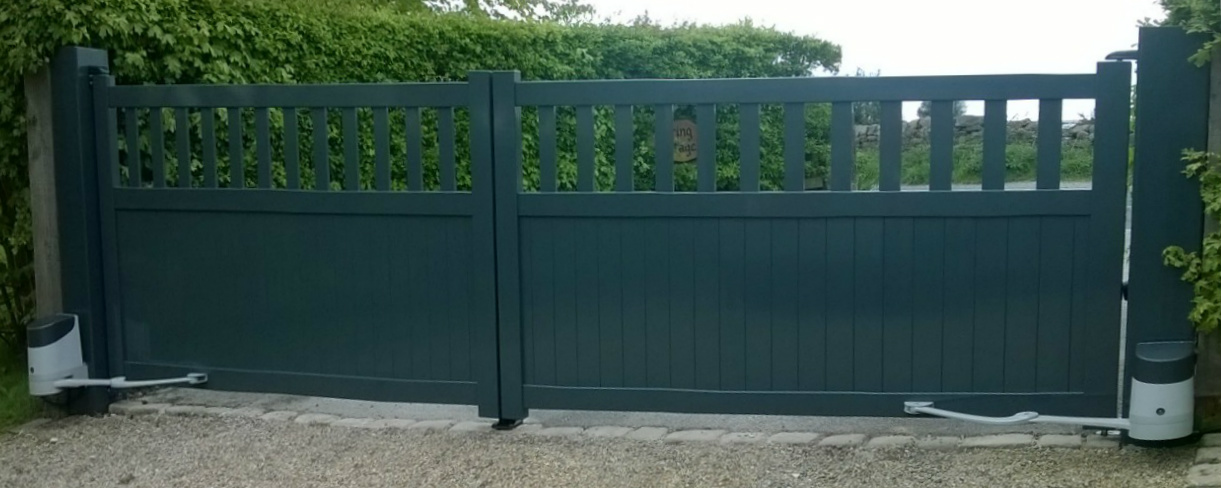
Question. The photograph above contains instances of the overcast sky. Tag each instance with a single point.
(935, 37)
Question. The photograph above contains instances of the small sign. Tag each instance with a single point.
(685, 140)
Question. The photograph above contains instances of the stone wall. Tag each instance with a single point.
(972, 126)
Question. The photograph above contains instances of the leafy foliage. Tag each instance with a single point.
(1203, 268)
(1021, 162)
(317, 41)
(1199, 16)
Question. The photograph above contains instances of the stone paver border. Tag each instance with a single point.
(1207, 469)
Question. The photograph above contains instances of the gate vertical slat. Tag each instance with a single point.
(1022, 305)
(624, 175)
(898, 236)
(415, 149)
(447, 147)
(995, 135)
(237, 172)
(654, 281)
(785, 304)
(182, 135)
(794, 146)
(635, 331)
(610, 296)
(843, 143)
(565, 300)
(292, 149)
(207, 118)
(705, 116)
(1049, 144)
(504, 166)
(941, 140)
(1110, 186)
(663, 136)
(705, 249)
(840, 276)
(681, 261)
(546, 149)
(756, 255)
(748, 142)
(351, 150)
(322, 149)
(732, 240)
(1079, 337)
(135, 170)
(1055, 304)
(156, 141)
(868, 285)
(928, 303)
(262, 141)
(812, 290)
(991, 251)
(587, 366)
(891, 147)
(958, 335)
(381, 138)
(585, 148)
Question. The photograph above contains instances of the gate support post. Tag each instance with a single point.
(506, 135)
(1171, 116)
(77, 243)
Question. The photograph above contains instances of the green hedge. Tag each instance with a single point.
(314, 41)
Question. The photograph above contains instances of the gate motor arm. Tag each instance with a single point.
(1161, 405)
(54, 346)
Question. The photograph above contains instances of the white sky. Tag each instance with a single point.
(936, 37)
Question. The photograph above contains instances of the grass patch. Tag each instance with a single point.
(1076, 163)
(16, 404)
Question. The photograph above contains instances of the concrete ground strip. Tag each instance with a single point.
(1209, 458)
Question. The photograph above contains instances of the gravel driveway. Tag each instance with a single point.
(183, 452)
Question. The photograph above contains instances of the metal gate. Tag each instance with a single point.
(440, 278)
(338, 283)
(836, 302)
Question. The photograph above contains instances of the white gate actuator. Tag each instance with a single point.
(54, 347)
(1161, 404)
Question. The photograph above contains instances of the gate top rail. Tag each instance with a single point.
(300, 96)
(807, 90)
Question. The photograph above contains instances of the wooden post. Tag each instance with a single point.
(1208, 365)
(41, 149)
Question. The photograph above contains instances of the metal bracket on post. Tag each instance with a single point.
(506, 424)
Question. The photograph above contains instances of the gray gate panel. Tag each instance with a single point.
(365, 297)
(765, 341)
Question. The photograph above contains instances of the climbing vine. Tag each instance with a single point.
(1203, 268)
